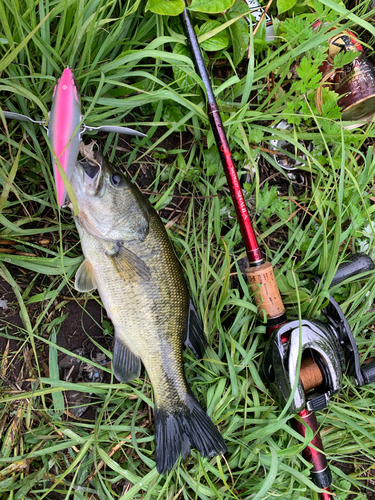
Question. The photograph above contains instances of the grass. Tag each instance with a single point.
(129, 71)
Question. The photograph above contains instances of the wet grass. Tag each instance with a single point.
(124, 63)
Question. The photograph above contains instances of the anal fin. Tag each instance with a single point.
(195, 337)
(126, 365)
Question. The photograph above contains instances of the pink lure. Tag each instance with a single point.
(64, 128)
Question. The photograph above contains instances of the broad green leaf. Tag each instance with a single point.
(182, 72)
(211, 160)
(239, 32)
(210, 6)
(173, 114)
(284, 5)
(216, 42)
(166, 7)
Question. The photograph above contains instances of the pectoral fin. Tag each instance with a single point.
(85, 278)
(195, 337)
(127, 264)
(126, 365)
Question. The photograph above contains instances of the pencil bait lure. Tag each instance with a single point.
(65, 129)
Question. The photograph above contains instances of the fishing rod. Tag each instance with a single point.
(260, 273)
(316, 383)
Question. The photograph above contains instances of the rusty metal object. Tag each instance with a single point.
(355, 82)
(358, 87)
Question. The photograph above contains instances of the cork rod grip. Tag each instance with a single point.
(266, 292)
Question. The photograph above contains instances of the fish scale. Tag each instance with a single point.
(143, 290)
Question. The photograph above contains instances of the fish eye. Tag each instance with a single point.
(116, 180)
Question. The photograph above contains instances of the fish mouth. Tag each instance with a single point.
(92, 175)
(90, 170)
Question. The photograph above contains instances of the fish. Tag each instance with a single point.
(130, 260)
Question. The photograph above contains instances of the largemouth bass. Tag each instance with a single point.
(130, 260)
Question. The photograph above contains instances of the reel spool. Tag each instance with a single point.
(321, 368)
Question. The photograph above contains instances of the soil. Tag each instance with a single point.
(82, 322)
(12, 367)
(367, 479)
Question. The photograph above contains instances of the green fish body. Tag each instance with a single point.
(130, 260)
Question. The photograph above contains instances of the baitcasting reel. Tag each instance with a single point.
(328, 351)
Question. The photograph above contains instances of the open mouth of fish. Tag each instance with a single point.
(91, 174)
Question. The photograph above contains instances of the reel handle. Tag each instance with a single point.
(368, 372)
(359, 263)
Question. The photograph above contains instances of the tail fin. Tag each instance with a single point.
(176, 432)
